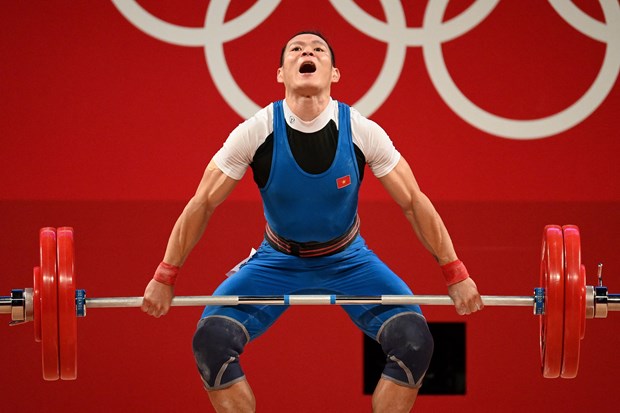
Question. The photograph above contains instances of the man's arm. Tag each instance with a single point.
(430, 230)
(213, 189)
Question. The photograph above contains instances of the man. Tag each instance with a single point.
(307, 154)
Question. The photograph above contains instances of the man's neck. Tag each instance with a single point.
(307, 108)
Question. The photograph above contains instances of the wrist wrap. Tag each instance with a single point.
(166, 273)
(454, 272)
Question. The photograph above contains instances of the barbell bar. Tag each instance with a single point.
(312, 299)
(563, 302)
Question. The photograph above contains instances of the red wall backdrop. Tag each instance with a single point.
(110, 113)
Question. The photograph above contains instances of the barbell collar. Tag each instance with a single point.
(590, 301)
(601, 300)
(19, 305)
(6, 304)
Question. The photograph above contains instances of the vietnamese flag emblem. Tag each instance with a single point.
(344, 181)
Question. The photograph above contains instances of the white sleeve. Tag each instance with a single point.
(238, 150)
(377, 147)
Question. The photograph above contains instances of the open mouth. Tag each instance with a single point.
(307, 67)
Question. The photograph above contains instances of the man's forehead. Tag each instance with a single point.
(306, 38)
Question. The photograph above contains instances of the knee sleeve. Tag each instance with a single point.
(217, 344)
(408, 345)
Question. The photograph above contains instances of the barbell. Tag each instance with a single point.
(563, 302)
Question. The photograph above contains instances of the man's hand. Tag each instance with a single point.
(157, 298)
(465, 296)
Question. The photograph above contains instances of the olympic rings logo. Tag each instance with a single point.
(398, 37)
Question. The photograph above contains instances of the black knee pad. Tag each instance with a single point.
(218, 342)
(408, 345)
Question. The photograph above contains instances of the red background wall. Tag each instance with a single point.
(108, 129)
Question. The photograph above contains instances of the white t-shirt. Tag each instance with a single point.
(239, 148)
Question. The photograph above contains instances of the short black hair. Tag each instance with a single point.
(316, 33)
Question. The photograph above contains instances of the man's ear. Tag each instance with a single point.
(335, 75)
(279, 76)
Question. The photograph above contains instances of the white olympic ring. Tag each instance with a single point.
(398, 37)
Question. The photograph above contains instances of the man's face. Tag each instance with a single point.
(307, 65)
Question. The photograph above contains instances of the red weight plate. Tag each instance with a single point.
(582, 275)
(49, 304)
(36, 302)
(574, 301)
(67, 320)
(552, 321)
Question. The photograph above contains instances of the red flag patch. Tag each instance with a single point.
(344, 181)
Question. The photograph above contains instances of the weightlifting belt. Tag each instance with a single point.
(313, 249)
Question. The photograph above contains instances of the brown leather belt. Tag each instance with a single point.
(313, 249)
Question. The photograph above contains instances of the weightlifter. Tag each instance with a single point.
(307, 153)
